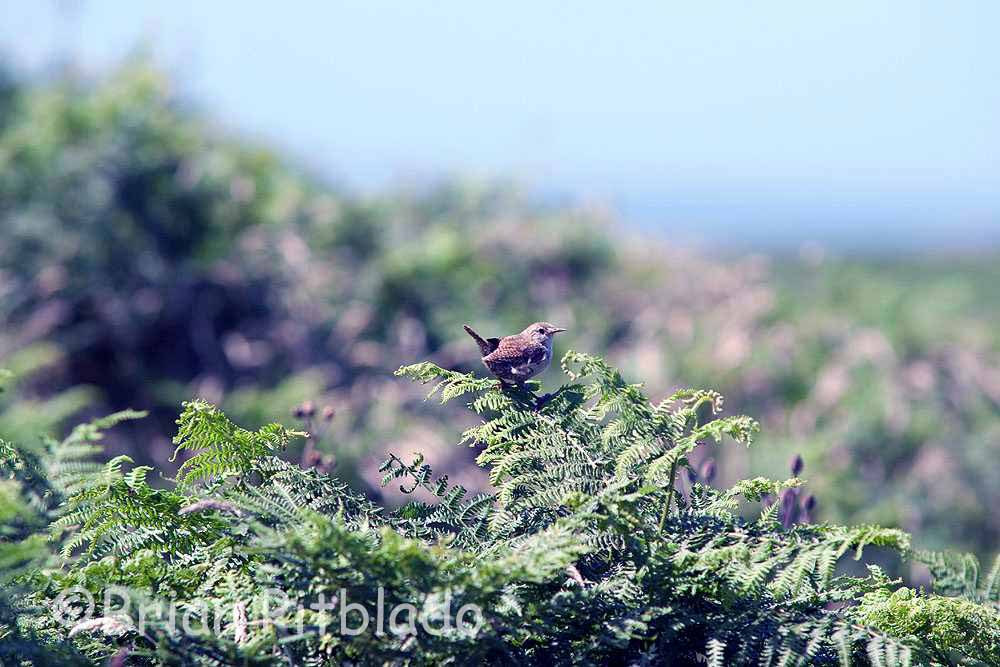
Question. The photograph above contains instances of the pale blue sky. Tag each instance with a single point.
(761, 122)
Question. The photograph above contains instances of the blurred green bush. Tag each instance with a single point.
(149, 255)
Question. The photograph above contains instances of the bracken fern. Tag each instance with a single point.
(588, 550)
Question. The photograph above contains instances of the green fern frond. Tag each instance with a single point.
(221, 447)
(451, 384)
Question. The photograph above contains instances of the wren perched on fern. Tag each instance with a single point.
(519, 357)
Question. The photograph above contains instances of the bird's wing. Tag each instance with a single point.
(516, 351)
(539, 354)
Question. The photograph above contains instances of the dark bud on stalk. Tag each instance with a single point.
(808, 505)
(788, 508)
(797, 465)
(708, 470)
(304, 410)
(692, 475)
(329, 413)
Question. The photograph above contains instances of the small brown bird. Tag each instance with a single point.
(514, 359)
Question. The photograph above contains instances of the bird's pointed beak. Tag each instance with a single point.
(556, 330)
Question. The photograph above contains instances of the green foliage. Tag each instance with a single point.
(951, 629)
(590, 550)
(960, 574)
(222, 447)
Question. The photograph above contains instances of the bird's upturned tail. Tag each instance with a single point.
(484, 345)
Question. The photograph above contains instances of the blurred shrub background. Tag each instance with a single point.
(148, 256)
